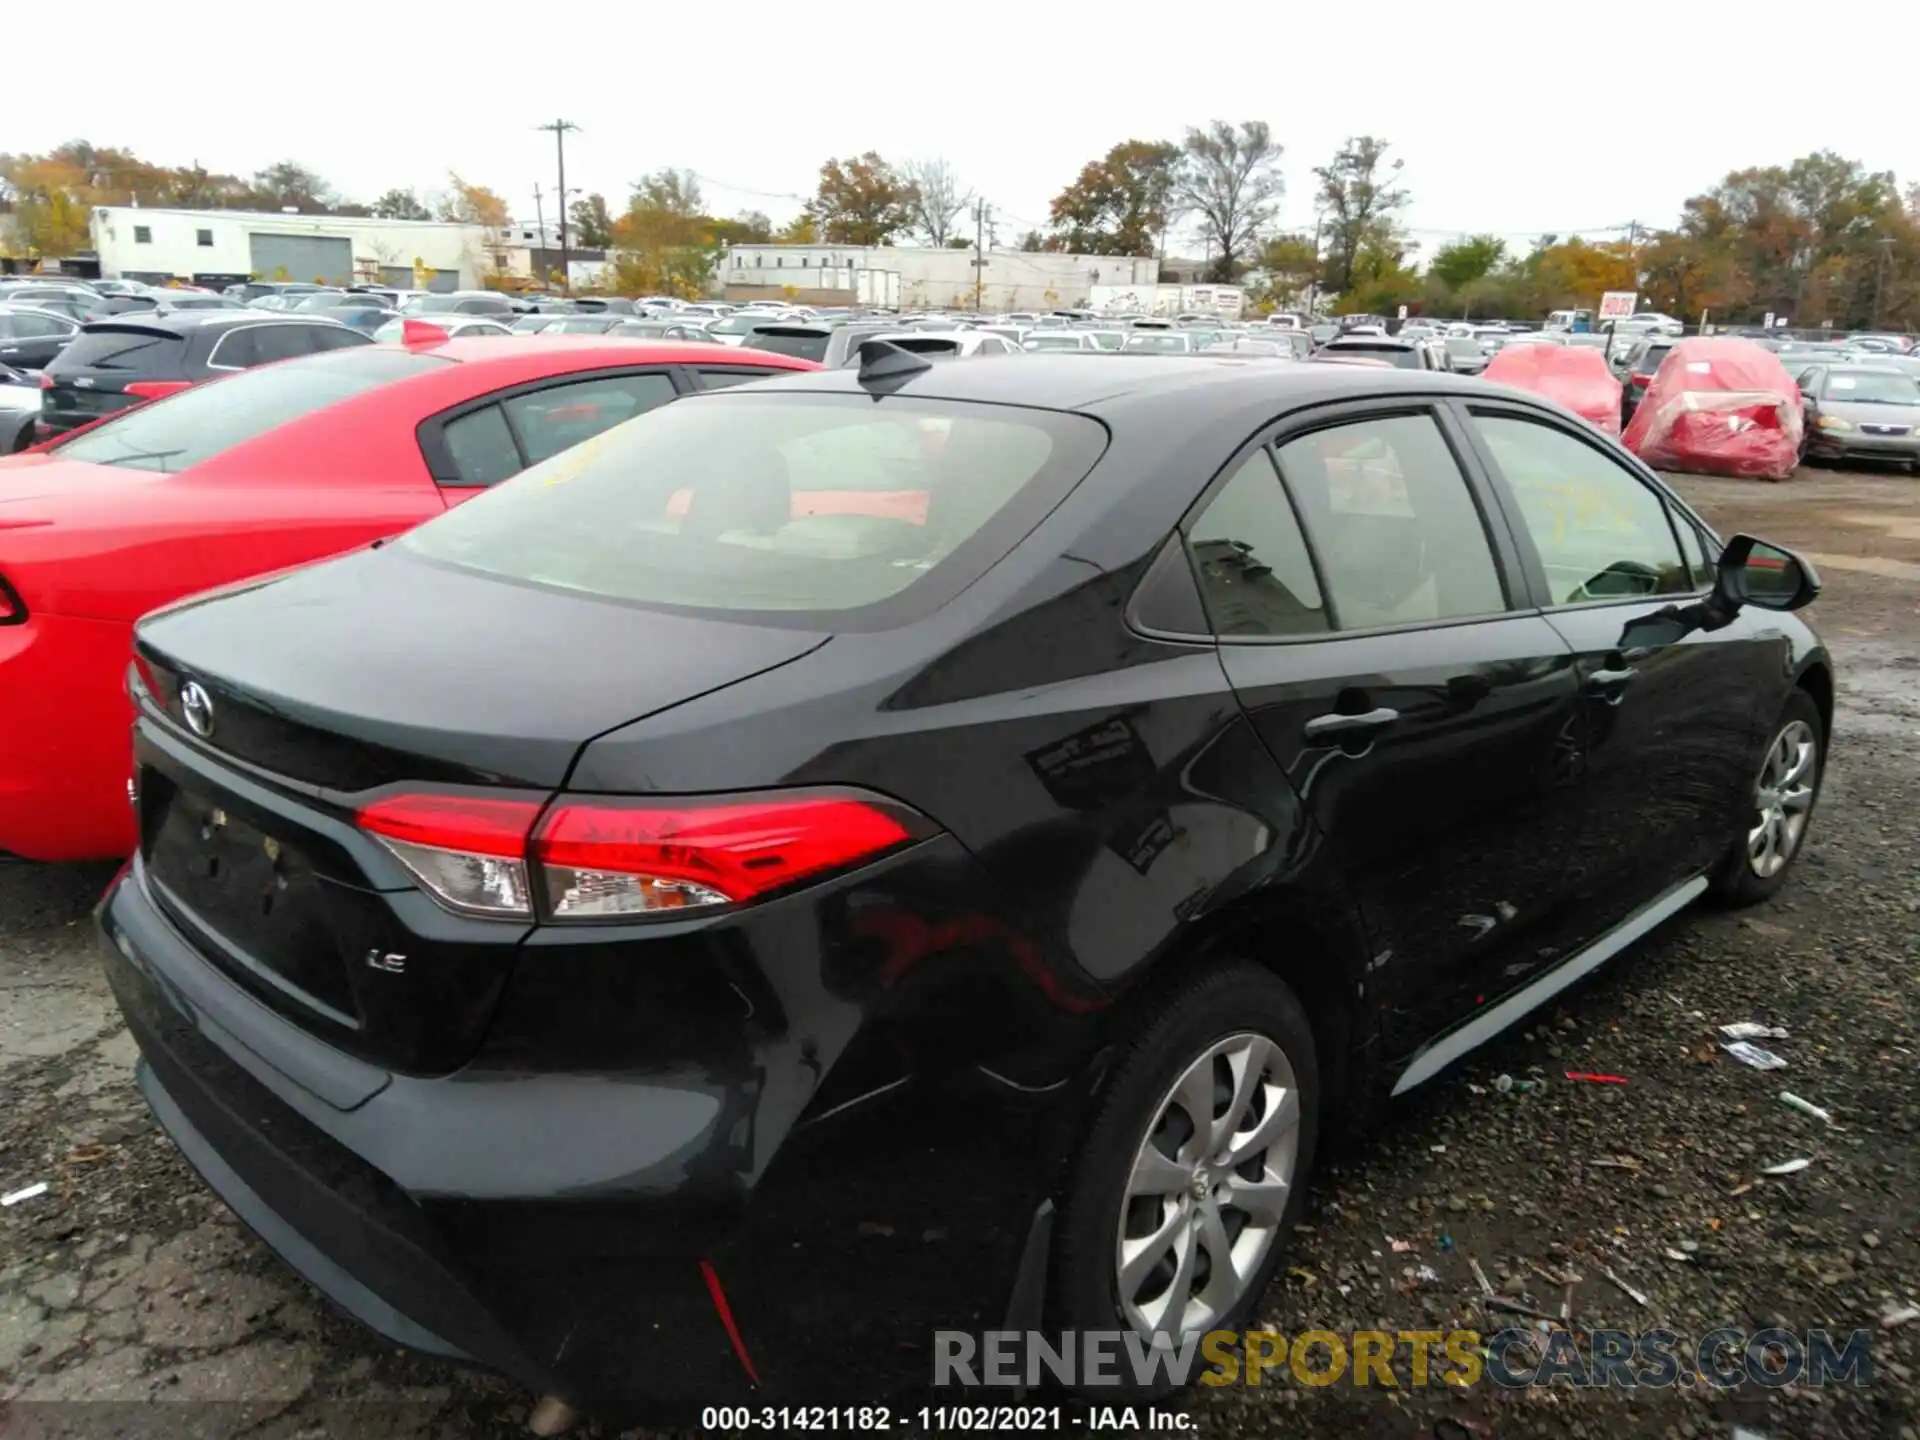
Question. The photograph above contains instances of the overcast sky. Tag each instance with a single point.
(1515, 118)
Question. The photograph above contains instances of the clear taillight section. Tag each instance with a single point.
(606, 858)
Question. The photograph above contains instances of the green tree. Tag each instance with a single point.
(1289, 264)
(1230, 180)
(801, 230)
(1360, 194)
(1460, 264)
(665, 243)
(592, 225)
(468, 204)
(862, 201)
(287, 184)
(1032, 242)
(401, 205)
(1120, 204)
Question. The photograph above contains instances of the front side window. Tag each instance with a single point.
(1601, 532)
(1388, 511)
(770, 503)
(560, 417)
(40, 327)
(1256, 579)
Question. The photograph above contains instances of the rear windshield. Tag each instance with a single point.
(144, 351)
(801, 344)
(196, 425)
(780, 506)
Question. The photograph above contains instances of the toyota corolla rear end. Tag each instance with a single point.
(527, 1056)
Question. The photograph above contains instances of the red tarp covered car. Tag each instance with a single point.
(1720, 406)
(1570, 375)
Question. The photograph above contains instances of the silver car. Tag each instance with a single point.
(1862, 412)
(19, 408)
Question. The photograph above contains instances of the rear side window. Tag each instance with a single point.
(143, 352)
(481, 447)
(1388, 512)
(196, 425)
(801, 344)
(326, 337)
(40, 327)
(1255, 576)
(722, 379)
(779, 505)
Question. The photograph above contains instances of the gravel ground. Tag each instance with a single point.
(127, 1283)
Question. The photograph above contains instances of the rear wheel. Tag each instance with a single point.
(1781, 806)
(1195, 1165)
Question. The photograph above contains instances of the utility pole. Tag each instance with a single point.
(980, 214)
(1313, 275)
(560, 128)
(1880, 278)
(539, 218)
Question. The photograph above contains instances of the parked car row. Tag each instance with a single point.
(765, 857)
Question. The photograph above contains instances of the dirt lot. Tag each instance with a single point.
(127, 1283)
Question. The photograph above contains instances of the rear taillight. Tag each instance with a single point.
(1643, 380)
(13, 610)
(469, 852)
(156, 389)
(606, 857)
(46, 381)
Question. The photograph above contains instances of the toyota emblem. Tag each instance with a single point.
(197, 706)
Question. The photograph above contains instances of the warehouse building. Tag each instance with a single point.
(863, 274)
(221, 247)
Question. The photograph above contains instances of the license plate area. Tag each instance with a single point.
(254, 896)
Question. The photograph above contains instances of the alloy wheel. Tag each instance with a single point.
(1209, 1184)
(1783, 798)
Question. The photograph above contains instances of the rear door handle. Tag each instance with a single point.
(1323, 727)
(1610, 679)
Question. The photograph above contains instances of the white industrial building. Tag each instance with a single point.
(913, 277)
(219, 247)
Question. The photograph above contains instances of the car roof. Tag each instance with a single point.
(526, 351)
(180, 321)
(1095, 384)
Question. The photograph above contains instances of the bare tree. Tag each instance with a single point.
(937, 198)
(1231, 181)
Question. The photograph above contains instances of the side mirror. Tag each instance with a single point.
(1767, 577)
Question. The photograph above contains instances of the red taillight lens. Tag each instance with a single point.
(596, 858)
(156, 389)
(468, 851)
(46, 381)
(1643, 380)
(614, 857)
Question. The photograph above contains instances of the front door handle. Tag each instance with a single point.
(1324, 727)
(1611, 679)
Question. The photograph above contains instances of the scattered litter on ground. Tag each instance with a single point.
(1680, 1255)
(1805, 1107)
(1617, 1162)
(1628, 1290)
(1428, 1273)
(1486, 1285)
(1753, 1055)
(1446, 1242)
(1787, 1167)
(1752, 1030)
(27, 1194)
(1894, 1319)
(1400, 1247)
(86, 1154)
(1592, 1079)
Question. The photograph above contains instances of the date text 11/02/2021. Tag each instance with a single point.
(929, 1419)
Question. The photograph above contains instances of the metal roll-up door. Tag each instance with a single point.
(302, 257)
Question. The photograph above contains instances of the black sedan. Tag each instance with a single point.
(922, 847)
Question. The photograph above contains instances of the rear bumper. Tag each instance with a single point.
(560, 1228)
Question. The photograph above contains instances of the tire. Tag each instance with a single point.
(1744, 877)
(1252, 1017)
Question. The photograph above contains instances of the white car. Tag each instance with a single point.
(467, 326)
(940, 344)
(1041, 341)
(1654, 320)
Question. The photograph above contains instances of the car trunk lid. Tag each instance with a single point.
(249, 791)
(108, 367)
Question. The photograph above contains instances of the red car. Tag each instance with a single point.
(1569, 375)
(257, 472)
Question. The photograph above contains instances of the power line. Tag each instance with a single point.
(560, 129)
